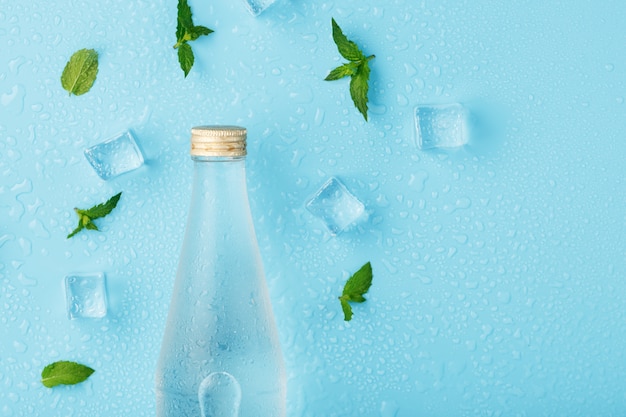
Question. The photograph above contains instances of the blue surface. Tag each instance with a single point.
(498, 269)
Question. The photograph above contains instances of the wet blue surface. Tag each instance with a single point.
(498, 268)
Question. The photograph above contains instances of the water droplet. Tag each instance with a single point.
(402, 100)
(24, 326)
(26, 245)
(5, 238)
(388, 409)
(19, 346)
(219, 395)
(302, 96)
(319, 116)
(25, 186)
(390, 267)
(504, 297)
(462, 238)
(39, 229)
(409, 69)
(296, 157)
(25, 280)
(460, 204)
(418, 180)
(15, 64)
(310, 37)
(14, 100)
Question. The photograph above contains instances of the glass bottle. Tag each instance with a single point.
(220, 354)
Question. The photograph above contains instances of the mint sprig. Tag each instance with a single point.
(186, 32)
(65, 373)
(80, 72)
(86, 217)
(357, 69)
(356, 286)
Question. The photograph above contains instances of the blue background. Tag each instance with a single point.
(498, 269)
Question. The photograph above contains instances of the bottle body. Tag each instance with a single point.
(220, 320)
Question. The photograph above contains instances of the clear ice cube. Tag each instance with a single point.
(336, 206)
(115, 156)
(256, 7)
(86, 295)
(442, 126)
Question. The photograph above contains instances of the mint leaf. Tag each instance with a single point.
(347, 309)
(186, 32)
(357, 285)
(91, 226)
(103, 209)
(359, 86)
(184, 19)
(185, 57)
(86, 217)
(197, 31)
(81, 226)
(357, 69)
(348, 49)
(80, 72)
(64, 373)
(345, 70)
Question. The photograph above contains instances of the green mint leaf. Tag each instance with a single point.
(64, 373)
(75, 231)
(184, 20)
(80, 72)
(359, 87)
(91, 226)
(345, 70)
(198, 31)
(103, 209)
(86, 217)
(348, 49)
(186, 31)
(357, 285)
(185, 57)
(347, 309)
(358, 69)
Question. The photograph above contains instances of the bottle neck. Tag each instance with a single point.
(219, 194)
(198, 158)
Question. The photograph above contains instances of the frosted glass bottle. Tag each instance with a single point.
(220, 354)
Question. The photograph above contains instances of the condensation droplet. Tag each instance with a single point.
(5, 238)
(38, 228)
(14, 100)
(319, 116)
(418, 180)
(26, 245)
(388, 409)
(19, 346)
(25, 280)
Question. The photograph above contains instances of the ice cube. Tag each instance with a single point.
(219, 395)
(115, 156)
(86, 295)
(442, 126)
(256, 7)
(336, 206)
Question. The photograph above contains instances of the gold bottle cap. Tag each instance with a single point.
(218, 141)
